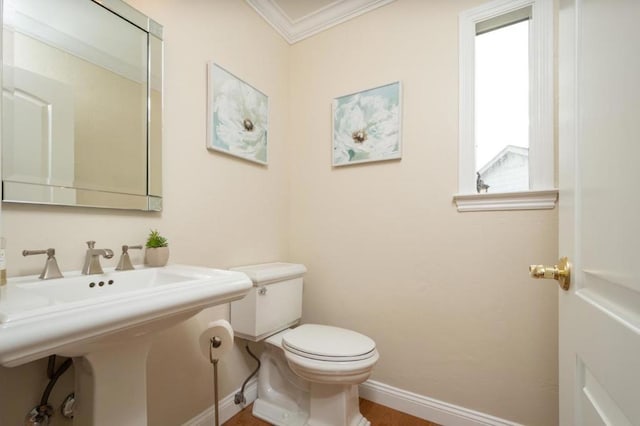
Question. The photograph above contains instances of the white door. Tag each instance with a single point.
(599, 320)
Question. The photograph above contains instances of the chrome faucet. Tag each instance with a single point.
(125, 261)
(92, 259)
(51, 269)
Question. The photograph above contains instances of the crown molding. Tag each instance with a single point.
(333, 14)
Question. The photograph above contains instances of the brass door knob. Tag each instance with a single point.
(560, 272)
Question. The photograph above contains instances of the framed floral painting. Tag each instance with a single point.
(237, 117)
(366, 125)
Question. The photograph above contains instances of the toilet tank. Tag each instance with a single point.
(273, 304)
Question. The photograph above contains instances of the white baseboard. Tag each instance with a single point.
(408, 402)
(226, 406)
(427, 408)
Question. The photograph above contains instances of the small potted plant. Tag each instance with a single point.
(157, 249)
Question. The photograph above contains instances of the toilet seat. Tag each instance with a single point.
(328, 358)
(327, 343)
(331, 355)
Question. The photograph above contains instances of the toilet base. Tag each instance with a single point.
(325, 415)
(332, 405)
(277, 415)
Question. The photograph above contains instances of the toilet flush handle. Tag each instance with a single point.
(262, 291)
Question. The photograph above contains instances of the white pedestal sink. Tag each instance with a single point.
(106, 322)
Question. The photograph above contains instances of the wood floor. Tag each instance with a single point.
(378, 415)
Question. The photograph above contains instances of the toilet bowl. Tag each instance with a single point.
(309, 374)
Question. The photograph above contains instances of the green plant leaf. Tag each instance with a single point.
(156, 240)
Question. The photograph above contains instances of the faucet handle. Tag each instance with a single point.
(125, 262)
(32, 252)
(51, 269)
(125, 248)
(91, 244)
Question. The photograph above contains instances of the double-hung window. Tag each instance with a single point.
(506, 159)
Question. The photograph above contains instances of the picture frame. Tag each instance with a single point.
(367, 125)
(237, 116)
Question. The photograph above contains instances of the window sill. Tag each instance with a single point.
(525, 200)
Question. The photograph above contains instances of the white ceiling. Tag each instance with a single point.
(297, 9)
(299, 19)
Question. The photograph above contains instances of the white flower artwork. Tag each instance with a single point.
(238, 116)
(366, 125)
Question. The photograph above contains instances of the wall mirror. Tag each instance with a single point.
(81, 104)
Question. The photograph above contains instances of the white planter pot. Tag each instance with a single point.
(158, 256)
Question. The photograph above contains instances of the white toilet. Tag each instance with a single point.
(309, 375)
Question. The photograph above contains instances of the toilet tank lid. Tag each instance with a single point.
(266, 273)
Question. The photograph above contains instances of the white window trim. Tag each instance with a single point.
(524, 200)
(541, 136)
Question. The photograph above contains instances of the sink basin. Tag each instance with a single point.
(40, 318)
(29, 296)
(106, 322)
(91, 288)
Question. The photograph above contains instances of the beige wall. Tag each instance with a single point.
(219, 211)
(445, 295)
